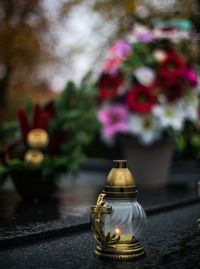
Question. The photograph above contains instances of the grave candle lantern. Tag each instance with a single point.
(118, 219)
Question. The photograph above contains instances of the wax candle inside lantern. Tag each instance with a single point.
(123, 237)
(127, 219)
(117, 231)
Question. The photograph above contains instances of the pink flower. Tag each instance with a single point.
(114, 120)
(145, 37)
(119, 52)
(121, 49)
(112, 65)
(141, 33)
(191, 77)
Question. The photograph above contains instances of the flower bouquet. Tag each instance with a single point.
(149, 87)
(47, 141)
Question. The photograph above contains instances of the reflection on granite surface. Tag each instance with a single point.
(171, 241)
(70, 205)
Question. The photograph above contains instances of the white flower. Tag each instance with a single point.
(170, 115)
(173, 35)
(145, 75)
(197, 88)
(191, 105)
(142, 11)
(146, 128)
(131, 38)
(140, 33)
(160, 55)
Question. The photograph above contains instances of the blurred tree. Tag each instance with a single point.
(166, 9)
(117, 11)
(118, 16)
(23, 49)
(124, 12)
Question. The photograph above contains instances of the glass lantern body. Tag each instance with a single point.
(127, 219)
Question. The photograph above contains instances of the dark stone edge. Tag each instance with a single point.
(32, 237)
(171, 205)
(65, 231)
(102, 164)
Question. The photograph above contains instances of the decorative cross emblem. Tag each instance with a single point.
(100, 210)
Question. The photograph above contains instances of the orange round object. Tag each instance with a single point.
(37, 138)
(34, 156)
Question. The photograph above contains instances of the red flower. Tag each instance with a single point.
(172, 66)
(171, 76)
(49, 107)
(109, 85)
(56, 141)
(40, 120)
(141, 99)
(112, 65)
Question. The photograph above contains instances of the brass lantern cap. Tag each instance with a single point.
(120, 182)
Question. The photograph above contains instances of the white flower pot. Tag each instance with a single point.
(150, 164)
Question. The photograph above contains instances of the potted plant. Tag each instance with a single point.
(48, 140)
(148, 91)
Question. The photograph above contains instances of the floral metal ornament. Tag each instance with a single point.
(99, 210)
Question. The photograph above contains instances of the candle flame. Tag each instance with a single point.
(117, 231)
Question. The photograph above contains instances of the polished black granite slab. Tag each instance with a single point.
(171, 241)
(69, 209)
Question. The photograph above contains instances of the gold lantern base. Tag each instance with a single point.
(120, 251)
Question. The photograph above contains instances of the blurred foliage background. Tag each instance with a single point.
(44, 43)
